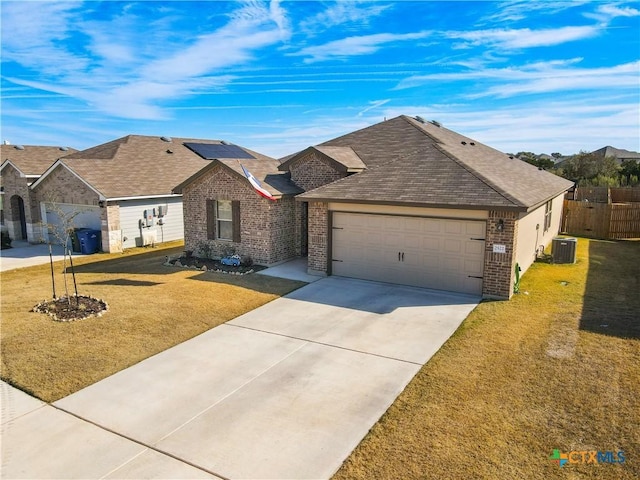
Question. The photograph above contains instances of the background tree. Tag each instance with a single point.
(587, 169)
(630, 173)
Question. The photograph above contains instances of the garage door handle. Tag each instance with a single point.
(403, 256)
(473, 276)
(481, 239)
(336, 260)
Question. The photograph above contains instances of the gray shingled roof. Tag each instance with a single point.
(619, 154)
(32, 160)
(138, 166)
(410, 162)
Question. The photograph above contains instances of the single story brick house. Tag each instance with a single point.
(224, 214)
(404, 201)
(122, 188)
(21, 166)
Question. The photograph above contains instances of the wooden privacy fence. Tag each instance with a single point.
(601, 220)
(605, 194)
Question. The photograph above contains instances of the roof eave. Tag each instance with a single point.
(541, 203)
(514, 208)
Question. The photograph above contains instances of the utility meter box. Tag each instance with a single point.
(563, 250)
(148, 218)
(162, 210)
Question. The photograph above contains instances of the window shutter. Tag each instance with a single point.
(211, 219)
(235, 216)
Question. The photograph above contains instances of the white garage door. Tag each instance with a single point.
(444, 254)
(62, 216)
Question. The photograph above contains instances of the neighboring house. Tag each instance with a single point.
(224, 214)
(21, 166)
(122, 188)
(403, 201)
(619, 154)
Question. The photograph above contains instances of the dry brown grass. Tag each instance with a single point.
(151, 308)
(522, 378)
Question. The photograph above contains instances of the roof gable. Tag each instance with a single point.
(32, 160)
(344, 159)
(265, 170)
(60, 164)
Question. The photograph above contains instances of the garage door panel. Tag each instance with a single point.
(476, 229)
(393, 240)
(431, 226)
(454, 227)
(412, 241)
(473, 267)
(474, 247)
(431, 243)
(438, 253)
(452, 245)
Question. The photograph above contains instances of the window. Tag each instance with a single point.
(223, 220)
(547, 215)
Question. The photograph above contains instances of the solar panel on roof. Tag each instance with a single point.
(211, 151)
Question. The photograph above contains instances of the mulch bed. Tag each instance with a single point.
(212, 265)
(77, 308)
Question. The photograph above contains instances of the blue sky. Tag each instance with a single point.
(542, 76)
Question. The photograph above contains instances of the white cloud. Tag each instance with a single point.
(354, 46)
(613, 11)
(32, 34)
(128, 69)
(374, 104)
(513, 39)
(341, 13)
(514, 11)
(540, 77)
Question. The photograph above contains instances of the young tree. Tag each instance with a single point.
(61, 234)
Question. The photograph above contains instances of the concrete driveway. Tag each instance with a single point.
(23, 254)
(285, 391)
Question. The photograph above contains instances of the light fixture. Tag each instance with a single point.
(500, 226)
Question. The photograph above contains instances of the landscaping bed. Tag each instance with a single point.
(68, 309)
(207, 264)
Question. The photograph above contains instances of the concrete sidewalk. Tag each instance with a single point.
(40, 441)
(285, 391)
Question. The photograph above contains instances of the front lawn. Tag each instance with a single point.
(557, 367)
(151, 308)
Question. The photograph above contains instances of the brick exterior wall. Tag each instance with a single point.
(267, 228)
(499, 268)
(61, 186)
(318, 238)
(15, 185)
(313, 171)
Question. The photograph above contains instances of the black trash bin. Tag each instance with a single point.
(89, 241)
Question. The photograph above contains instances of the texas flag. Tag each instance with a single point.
(256, 184)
